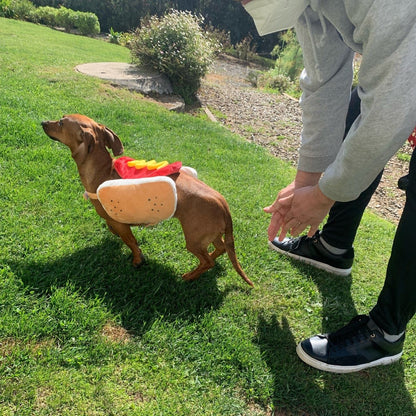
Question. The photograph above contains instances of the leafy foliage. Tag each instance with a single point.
(274, 80)
(17, 9)
(114, 36)
(289, 55)
(46, 15)
(176, 46)
(86, 22)
(125, 15)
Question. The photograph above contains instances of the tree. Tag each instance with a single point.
(125, 15)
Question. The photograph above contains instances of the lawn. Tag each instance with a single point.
(83, 333)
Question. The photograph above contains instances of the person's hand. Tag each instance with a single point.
(282, 203)
(279, 209)
(308, 206)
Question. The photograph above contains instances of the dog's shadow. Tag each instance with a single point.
(138, 297)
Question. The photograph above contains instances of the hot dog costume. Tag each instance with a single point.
(144, 194)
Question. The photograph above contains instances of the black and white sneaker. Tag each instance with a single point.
(310, 250)
(356, 346)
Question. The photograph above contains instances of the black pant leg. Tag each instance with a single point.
(397, 301)
(345, 217)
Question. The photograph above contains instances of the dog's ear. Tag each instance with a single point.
(88, 138)
(112, 141)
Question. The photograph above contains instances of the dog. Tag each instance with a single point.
(202, 211)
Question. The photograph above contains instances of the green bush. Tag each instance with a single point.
(65, 18)
(125, 39)
(5, 9)
(17, 9)
(289, 60)
(220, 38)
(86, 23)
(275, 80)
(176, 46)
(245, 49)
(253, 76)
(46, 15)
(114, 37)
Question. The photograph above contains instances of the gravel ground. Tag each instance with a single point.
(274, 121)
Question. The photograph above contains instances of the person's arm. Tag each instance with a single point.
(387, 35)
(326, 92)
(326, 89)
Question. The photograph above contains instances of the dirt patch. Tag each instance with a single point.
(274, 121)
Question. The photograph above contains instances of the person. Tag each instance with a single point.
(333, 168)
(331, 249)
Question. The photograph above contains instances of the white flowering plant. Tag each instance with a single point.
(175, 45)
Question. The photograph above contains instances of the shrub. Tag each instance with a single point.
(114, 37)
(17, 9)
(176, 46)
(356, 70)
(65, 18)
(46, 15)
(274, 80)
(220, 38)
(252, 77)
(5, 9)
(125, 39)
(245, 49)
(289, 57)
(86, 23)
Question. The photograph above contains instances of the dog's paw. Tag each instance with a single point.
(191, 276)
(139, 262)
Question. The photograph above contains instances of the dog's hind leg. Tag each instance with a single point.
(199, 250)
(219, 248)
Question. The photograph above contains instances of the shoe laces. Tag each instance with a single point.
(299, 240)
(315, 238)
(356, 330)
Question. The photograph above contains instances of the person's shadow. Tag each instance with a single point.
(300, 389)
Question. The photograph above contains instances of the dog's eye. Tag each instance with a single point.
(61, 122)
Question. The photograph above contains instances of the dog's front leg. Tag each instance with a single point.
(124, 232)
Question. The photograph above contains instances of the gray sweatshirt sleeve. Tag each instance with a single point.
(326, 85)
(386, 36)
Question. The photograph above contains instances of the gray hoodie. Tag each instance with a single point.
(384, 32)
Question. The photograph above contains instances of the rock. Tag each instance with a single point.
(147, 82)
(129, 76)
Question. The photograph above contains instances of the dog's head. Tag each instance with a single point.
(82, 134)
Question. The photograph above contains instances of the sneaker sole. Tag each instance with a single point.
(341, 369)
(311, 262)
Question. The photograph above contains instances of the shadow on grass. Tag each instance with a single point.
(138, 296)
(302, 390)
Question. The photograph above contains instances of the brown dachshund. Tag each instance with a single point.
(203, 212)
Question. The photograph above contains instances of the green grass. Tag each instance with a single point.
(404, 157)
(83, 333)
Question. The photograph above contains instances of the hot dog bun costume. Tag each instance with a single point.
(144, 194)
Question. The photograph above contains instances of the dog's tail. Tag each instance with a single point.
(230, 248)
